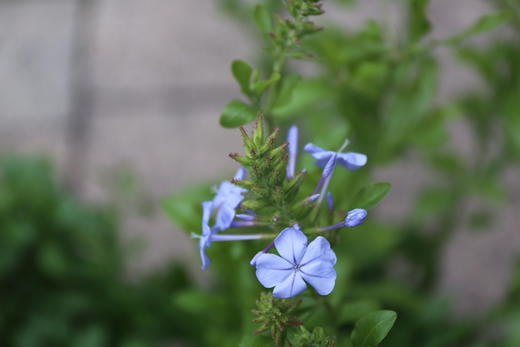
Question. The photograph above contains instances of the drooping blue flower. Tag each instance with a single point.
(228, 197)
(350, 160)
(292, 139)
(298, 263)
(210, 235)
(205, 239)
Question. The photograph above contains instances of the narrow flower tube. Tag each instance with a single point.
(330, 201)
(327, 181)
(247, 217)
(220, 237)
(327, 172)
(312, 198)
(241, 224)
(292, 139)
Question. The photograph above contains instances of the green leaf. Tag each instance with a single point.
(236, 113)
(259, 87)
(352, 311)
(370, 330)
(263, 19)
(419, 23)
(485, 23)
(369, 196)
(242, 73)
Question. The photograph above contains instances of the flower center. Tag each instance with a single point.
(297, 267)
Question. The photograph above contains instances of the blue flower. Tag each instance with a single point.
(210, 235)
(297, 264)
(355, 217)
(350, 160)
(228, 197)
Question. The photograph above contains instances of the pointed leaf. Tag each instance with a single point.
(260, 86)
(236, 113)
(370, 330)
(485, 23)
(369, 196)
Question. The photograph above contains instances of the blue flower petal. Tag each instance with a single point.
(291, 244)
(255, 258)
(228, 194)
(272, 269)
(321, 155)
(352, 160)
(225, 216)
(206, 213)
(293, 285)
(312, 149)
(203, 244)
(320, 275)
(241, 173)
(355, 217)
(319, 249)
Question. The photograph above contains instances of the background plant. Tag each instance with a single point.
(381, 93)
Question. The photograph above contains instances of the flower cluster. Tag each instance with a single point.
(269, 199)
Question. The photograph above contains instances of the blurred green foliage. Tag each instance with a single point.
(62, 275)
(382, 92)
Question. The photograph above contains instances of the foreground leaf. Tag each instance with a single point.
(370, 330)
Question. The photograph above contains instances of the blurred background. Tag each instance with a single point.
(122, 99)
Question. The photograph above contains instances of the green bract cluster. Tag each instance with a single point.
(316, 338)
(276, 316)
(270, 195)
